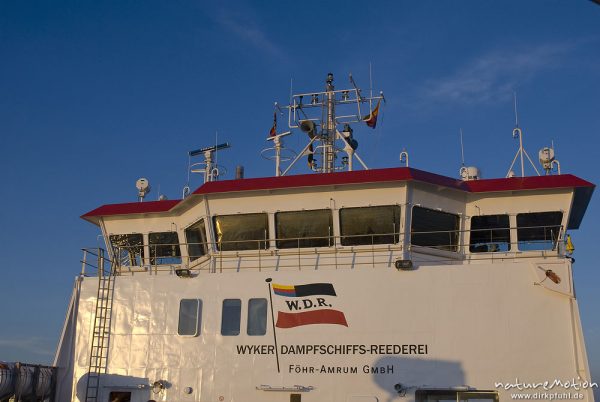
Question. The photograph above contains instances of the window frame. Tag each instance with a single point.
(204, 246)
(329, 239)
(424, 395)
(198, 325)
(492, 230)
(345, 239)
(139, 253)
(520, 229)
(452, 247)
(238, 319)
(263, 244)
(156, 259)
(111, 395)
(266, 316)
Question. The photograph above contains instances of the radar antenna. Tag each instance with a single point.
(518, 133)
(210, 170)
(314, 113)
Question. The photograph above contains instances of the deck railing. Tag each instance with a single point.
(97, 262)
(364, 250)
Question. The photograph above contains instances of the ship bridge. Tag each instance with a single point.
(398, 217)
(386, 283)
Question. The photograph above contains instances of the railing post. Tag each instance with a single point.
(84, 261)
(115, 263)
(100, 263)
(372, 250)
(335, 251)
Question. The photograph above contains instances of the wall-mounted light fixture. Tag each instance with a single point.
(404, 265)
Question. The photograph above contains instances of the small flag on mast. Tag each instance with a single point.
(273, 131)
(570, 247)
(371, 119)
(310, 289)
(311, 157)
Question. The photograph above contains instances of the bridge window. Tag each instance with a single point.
(195, 236)
(370, 225)
(164, 248)
(230, 318)
(539, 230)
(190, 317)
(129, 248)
(304, 228)
(257, 317)
(437, 229)
(490, 233)
(241, 232)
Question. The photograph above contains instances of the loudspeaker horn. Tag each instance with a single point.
(308, 126)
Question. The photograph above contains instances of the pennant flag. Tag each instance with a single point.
(306, 310)
(570, 247)
(273, 130)
(310, 289)
(371, 119)
(325, 316)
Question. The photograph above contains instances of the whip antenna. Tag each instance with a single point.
(462, 150)
(518, 133)
(515, 105)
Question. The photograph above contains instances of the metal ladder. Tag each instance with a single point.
(101, 330)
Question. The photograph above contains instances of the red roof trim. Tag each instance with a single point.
(132, 208)
(345, 178)
(526, 183)
(305, 180)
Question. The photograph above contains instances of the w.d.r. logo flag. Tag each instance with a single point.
(305, 310)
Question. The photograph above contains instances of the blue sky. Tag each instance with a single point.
(94, 95)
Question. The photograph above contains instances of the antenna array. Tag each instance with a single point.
(316, 114)
(209, 168)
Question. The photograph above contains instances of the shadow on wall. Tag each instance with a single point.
(400, 373)
(120, 385)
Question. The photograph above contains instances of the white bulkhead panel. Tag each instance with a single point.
(443, 326)
(513, 203)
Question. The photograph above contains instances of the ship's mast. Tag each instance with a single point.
(328, 135)
(209, 168)
(314, 113)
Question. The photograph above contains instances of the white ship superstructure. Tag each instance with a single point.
(349, 285)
